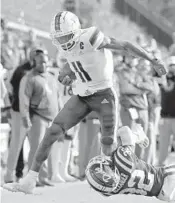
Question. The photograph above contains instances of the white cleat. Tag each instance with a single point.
(19, 187)
(25, 185)
(11, 187)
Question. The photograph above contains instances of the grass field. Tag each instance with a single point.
(78, 192)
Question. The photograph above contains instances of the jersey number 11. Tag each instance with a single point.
(81, 72)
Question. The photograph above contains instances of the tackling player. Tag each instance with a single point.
(90, 72)
(124, 173)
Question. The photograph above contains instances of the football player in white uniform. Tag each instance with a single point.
(124, 173)
(90, 72)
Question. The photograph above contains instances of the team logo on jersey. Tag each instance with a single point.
(81, 45)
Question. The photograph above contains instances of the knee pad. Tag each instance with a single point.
(108, 134)
(57, 130)
(107, 140)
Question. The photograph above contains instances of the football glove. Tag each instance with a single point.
(159, 67)
(142, 140)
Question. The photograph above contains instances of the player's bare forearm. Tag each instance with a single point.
(137, 51)
(127, 47)
(131, 49)
(43, 151)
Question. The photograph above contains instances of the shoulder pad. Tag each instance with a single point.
(94, 36)
(123, 159)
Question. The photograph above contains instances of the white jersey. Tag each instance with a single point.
(93, 67)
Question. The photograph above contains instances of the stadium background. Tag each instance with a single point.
(124, 19)
(154, 17)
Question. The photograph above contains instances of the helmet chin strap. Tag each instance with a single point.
(74, 40)
(68, 47)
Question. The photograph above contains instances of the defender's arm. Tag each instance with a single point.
(127, 47)
(126, 137)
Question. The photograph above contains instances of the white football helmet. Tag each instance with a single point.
(65, 30)
(102, 176)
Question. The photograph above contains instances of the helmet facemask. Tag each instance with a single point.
(65, 30)
(66, 40)
(105, 168)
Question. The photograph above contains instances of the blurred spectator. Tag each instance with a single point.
(167, 125)
(21, 48)
(65, 94)
(17, 138)
(3, 92)
(134, 86)
(145, 82)
(3, 28)
(64, 147)
(5, 100)
(150, 45)
(141, 41)
(30, 42)
(154, 116)
(3, 24)
(10, 56)
(172, 47)
(89, 141)
(153, 49)
(16, 41)
(39, 104)
(21, 19)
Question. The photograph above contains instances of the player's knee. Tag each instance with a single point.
(57, 131)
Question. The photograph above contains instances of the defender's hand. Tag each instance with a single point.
(159, 67)
(144, 143)
(142, 139)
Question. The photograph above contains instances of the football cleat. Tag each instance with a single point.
(26, 185)
(17, 187)
(13, 187)
(65, 30)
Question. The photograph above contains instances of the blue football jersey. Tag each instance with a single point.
(137, 177)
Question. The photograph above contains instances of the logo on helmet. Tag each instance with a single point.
(106, 177)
